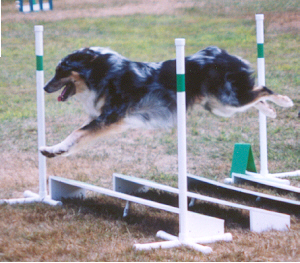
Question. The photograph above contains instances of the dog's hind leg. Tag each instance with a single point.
(80, 138)
(281, 100)
(257, 98)
(263, 94)
(266, 109)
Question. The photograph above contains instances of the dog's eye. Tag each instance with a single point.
(62, 71)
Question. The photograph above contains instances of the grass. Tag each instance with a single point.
(43, 233)
(76, 231)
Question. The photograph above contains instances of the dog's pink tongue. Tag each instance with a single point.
(61, 96)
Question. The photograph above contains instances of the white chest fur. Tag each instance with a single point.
(90, 104)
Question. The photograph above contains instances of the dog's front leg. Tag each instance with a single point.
(66, 147)
(80, 138)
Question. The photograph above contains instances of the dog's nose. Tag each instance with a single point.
(51, 86)
(46, 88)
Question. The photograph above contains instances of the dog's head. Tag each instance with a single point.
(70, 74)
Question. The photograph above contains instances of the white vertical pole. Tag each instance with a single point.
(261, 82)
(30, 197)
(181, 126)
(40, 108)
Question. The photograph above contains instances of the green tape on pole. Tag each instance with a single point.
(39, 63)
(260, 50)
(180, 82)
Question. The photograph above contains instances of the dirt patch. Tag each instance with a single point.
(287, 21)
(18, 172)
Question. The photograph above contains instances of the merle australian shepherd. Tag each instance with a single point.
(119, 94)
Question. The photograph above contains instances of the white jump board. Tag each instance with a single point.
(260, 220)
(61, 188)
(276, 200)
(239, 178)
(202, 225)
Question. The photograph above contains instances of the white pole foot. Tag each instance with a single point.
(156, 245)
(30, 197)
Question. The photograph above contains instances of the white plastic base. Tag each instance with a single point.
(287, 174)
(228, 181)
(268, 178)
(173, 241)
(238, 178)
(30, 197)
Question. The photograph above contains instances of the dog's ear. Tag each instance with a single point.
(91, 55)
(93, 58)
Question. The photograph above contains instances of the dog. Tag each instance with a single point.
(118, 93)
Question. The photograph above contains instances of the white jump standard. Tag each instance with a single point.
(30, 197)
(264, 176)
(264, 172)
(188, 221)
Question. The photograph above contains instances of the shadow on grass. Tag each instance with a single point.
(141, 218)
(149, 220)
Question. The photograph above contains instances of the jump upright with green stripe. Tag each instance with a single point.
(261, 82)
(181, 130)
(39, 53)
(31, 197)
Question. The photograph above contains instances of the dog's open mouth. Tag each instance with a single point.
(68, 91)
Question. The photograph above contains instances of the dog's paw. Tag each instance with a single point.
(266, 109)
(270, 112)
(54, 151)
(283, 101)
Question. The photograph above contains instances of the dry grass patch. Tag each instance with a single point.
(94, 230)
